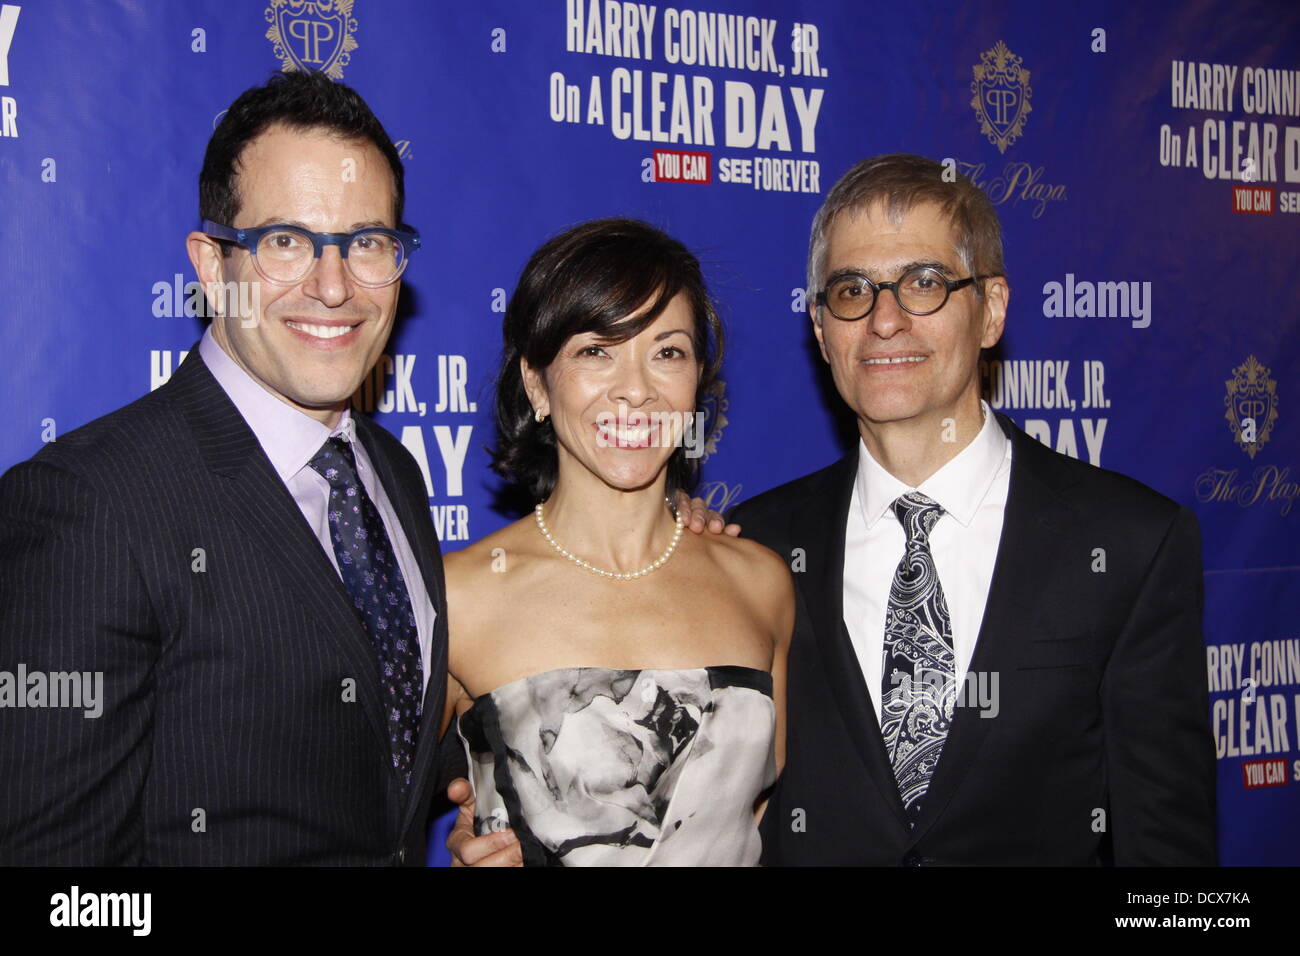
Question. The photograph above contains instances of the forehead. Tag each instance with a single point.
(312, 174)
(869, 238)
(677, 314)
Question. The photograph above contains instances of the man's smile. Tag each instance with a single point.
(898, 361)
(325, 334)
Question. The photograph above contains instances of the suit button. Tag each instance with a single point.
(912, 859)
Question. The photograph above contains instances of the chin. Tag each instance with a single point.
(629, 479)
(630, 482)
(328, 385)
(326, 397)
(887, 410)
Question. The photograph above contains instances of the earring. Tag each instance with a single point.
(539, 416)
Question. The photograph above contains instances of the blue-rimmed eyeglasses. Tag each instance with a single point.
(285, 254)
(923, 290)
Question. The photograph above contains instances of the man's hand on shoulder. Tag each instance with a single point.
(700, 517)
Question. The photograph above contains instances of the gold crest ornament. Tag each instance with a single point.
(1001, 95)
(312, 35)
(1251, 405)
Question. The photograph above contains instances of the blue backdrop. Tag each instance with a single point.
(1144, 158)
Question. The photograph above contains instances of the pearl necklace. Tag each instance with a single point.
(621, 576)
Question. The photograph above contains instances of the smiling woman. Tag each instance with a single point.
(620, 685)
(595, 288)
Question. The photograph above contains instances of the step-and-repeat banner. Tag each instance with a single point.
(1144, 159)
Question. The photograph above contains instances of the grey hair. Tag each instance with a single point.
(901, 181)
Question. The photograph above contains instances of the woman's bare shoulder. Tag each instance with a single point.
(759, 572)
(746, 553)
(480, 565)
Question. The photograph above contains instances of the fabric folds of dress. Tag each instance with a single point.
(594, 766)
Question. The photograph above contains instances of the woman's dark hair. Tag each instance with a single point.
(300, 101)
(591, 278)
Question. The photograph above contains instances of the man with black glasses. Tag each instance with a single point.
(998, 657)
(250, 567)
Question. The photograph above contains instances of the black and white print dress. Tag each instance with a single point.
(593, 766)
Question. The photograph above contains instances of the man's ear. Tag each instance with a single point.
(206, 258)
(535, 387)
(997, 294)
(209, 265)
(814, 313)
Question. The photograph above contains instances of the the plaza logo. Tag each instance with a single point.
(718, 495)
(714, 408)
(1001, 95)
(312, 34)
(1251, 405)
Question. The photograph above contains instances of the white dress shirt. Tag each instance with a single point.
(972, 489)
(291, 440)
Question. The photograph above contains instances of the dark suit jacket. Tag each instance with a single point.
(226, 736)
(1101, 678)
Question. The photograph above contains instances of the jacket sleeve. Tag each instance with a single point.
(451, 760)
(74, 617)
(1155, 706)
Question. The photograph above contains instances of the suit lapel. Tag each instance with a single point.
(822, 521)
(259, 503)
(1034, 523)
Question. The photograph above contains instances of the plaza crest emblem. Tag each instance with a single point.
(1001, 95)
(312, 35)
(1251, 405)
(714, 406)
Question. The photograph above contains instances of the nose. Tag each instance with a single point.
(329, 282)
(631, 384)
(888, 317)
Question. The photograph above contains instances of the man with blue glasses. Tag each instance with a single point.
(251, 567)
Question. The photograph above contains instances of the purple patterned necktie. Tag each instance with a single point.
(919, 674)
(372, 577)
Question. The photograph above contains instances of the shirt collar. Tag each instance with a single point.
(289, 437)
(959, 486)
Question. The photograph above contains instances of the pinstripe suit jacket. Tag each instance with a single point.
(241, 716)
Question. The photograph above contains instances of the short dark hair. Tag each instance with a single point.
(901, 181)
(301, 101)
(591, 278)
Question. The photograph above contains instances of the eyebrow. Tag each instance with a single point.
(598, 337)
(277, 221)
(901, 270)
